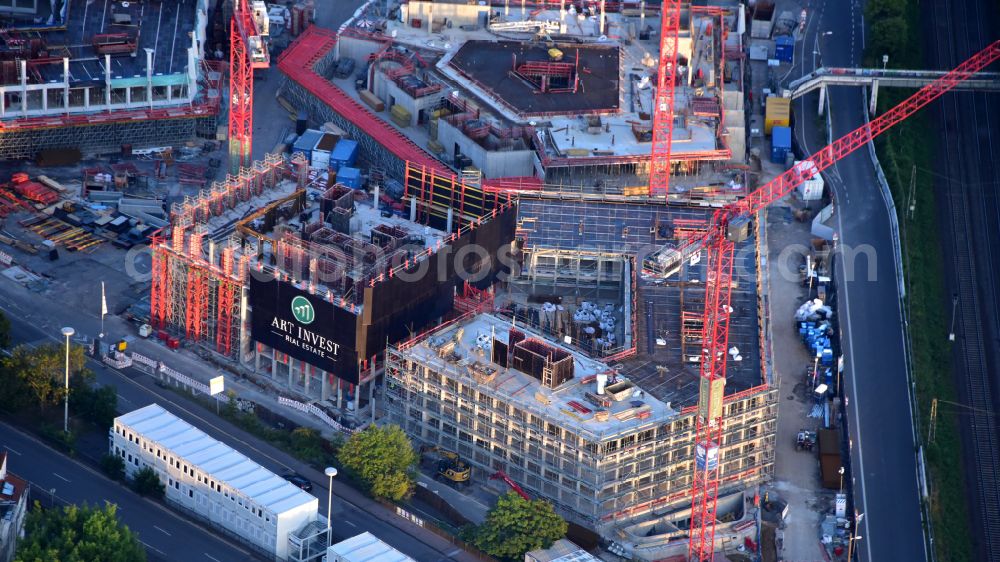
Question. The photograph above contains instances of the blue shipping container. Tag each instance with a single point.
(344, 154)
(307, 141)
(784, 48)
(781, 144)
(351, 177)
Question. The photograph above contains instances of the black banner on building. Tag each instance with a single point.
(304, 326)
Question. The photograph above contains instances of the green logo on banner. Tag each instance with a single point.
(302, 310)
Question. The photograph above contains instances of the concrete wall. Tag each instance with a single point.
(458, 14)
(491, 164)
(390, 93)
(357, 49)
(509, 163)
(732, 99)
(736, 134)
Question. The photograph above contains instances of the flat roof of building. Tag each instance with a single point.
(566, 405)
(163, 27)
(490, 63)
(365, 547)
(213, 457)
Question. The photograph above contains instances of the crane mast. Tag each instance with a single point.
(729, 226)
(247, 52)
(663, 108)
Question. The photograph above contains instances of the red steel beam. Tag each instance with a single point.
(663, 108)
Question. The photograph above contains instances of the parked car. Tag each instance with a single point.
(299, 480)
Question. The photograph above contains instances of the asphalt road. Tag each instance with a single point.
(159, 528)
(966, 173)
(352, 514)
(886, 489)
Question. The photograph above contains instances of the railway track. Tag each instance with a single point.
(973, 211)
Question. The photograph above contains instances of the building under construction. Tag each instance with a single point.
(242, 260)
(563, 95)
(612, 449)
(621, 464)
(96, 81)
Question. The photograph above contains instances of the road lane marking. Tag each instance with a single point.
(13, 451)
(61, 477)
(162, 531)
(212, 557)
(151, 547)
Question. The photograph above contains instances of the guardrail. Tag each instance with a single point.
(316, 411)
(164, 372)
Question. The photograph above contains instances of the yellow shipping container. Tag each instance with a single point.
(400, 111)
(777, 113)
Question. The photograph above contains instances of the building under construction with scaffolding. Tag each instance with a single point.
(453, 91)
(563, 96)
(619, 465)
(77, 78)
(240, 262)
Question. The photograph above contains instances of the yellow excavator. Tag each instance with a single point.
(450, 466)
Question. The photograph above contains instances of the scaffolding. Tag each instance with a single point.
(197, 287)
(104, 138)
(621, 475)
(224, 195)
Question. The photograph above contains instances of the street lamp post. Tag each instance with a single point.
(850, 546)
(68, 332)
(954, 305)
(330, 472)
(817, 47)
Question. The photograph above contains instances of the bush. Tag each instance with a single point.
(310, 446)
(147, 483)
(66, 442)
(113, 466)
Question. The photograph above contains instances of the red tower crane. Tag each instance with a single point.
(730, 225)
(247, 52)
(663, 107)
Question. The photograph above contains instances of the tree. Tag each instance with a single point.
(98, 404)
(75, 534)
(38, 373)
(879, 9)
(889, 36)
(147, 483)
(310, 446)
(113, 466)
(516, 525)
(4, 331)
(383, 459)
